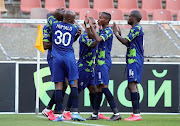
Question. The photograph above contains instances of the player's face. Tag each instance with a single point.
(102, 19)
(131, 19)
(94, 23)
(72, 19)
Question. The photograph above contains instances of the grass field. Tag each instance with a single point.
(32, 120)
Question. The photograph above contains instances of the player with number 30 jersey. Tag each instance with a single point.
(64, 64)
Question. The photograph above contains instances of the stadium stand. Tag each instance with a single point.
(126, 5)
(52, 5)
(178, 16)
(143, 12)
(2, 6)
(162, 15)
(77, 5)
(116, 14)
(151, 5)
(27, 5)
(25, 37)
(101, 5)
(90, 13)
(173, 6)
(38, 13)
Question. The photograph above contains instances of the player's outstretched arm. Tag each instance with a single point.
(88, 29)
(93, 44)
(96, 36)
(49, 14)
(47, 45)
(117, 33)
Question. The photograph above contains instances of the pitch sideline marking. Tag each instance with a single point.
(76, 122)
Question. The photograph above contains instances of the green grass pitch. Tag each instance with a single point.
(33, 120)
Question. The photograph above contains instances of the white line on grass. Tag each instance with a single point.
(83, 123)
(86, 124)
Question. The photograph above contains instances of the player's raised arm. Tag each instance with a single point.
(87, 27)
(58, 15)
(96, 36)
(47, 38)
(77, 35)
(117, 33)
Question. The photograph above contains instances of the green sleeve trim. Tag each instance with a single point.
(103, 38)
(127, 38)
(45, 40)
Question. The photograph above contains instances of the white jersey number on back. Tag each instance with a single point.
(61, 38)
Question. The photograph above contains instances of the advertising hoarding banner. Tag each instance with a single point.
(159, 89)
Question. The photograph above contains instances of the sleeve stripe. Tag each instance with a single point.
(103, 38)
(46, 40)
(127, 38)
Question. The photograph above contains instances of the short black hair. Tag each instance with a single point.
(108, 15)
(137, 14)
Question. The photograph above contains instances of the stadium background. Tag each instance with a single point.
(17, 44)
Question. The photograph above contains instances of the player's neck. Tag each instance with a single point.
(135, 23)
(105, 25)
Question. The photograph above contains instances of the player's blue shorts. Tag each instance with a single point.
(64, 66)
(85, 79)
(102, 74)
(134, 72)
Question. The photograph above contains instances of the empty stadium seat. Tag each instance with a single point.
(116, 14)
(27, 5)
(162, 15)
(126, 5)
(101, 5)
(38, 13)
(173, 6)
(178, 15)
(77, 5)
(90, 13)
(151, 5)
(52, 5)
(143, 12)
(2, 6)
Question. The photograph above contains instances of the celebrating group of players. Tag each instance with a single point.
(60, 33)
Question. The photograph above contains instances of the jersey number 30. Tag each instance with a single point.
(62, 38)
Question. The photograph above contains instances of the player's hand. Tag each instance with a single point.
(100, 28)
(90, 23)
(86, 19)
(62, 8)
(79, 32)
(116, 30)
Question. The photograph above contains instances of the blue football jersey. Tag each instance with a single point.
(47, 38)
(87, 54)
(135, 51)
(103, 55)
(63, 35)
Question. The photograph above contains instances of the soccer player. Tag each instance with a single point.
(64, 63)
(87, 56)
(103, 63)
(134, 59)
(47, 43)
